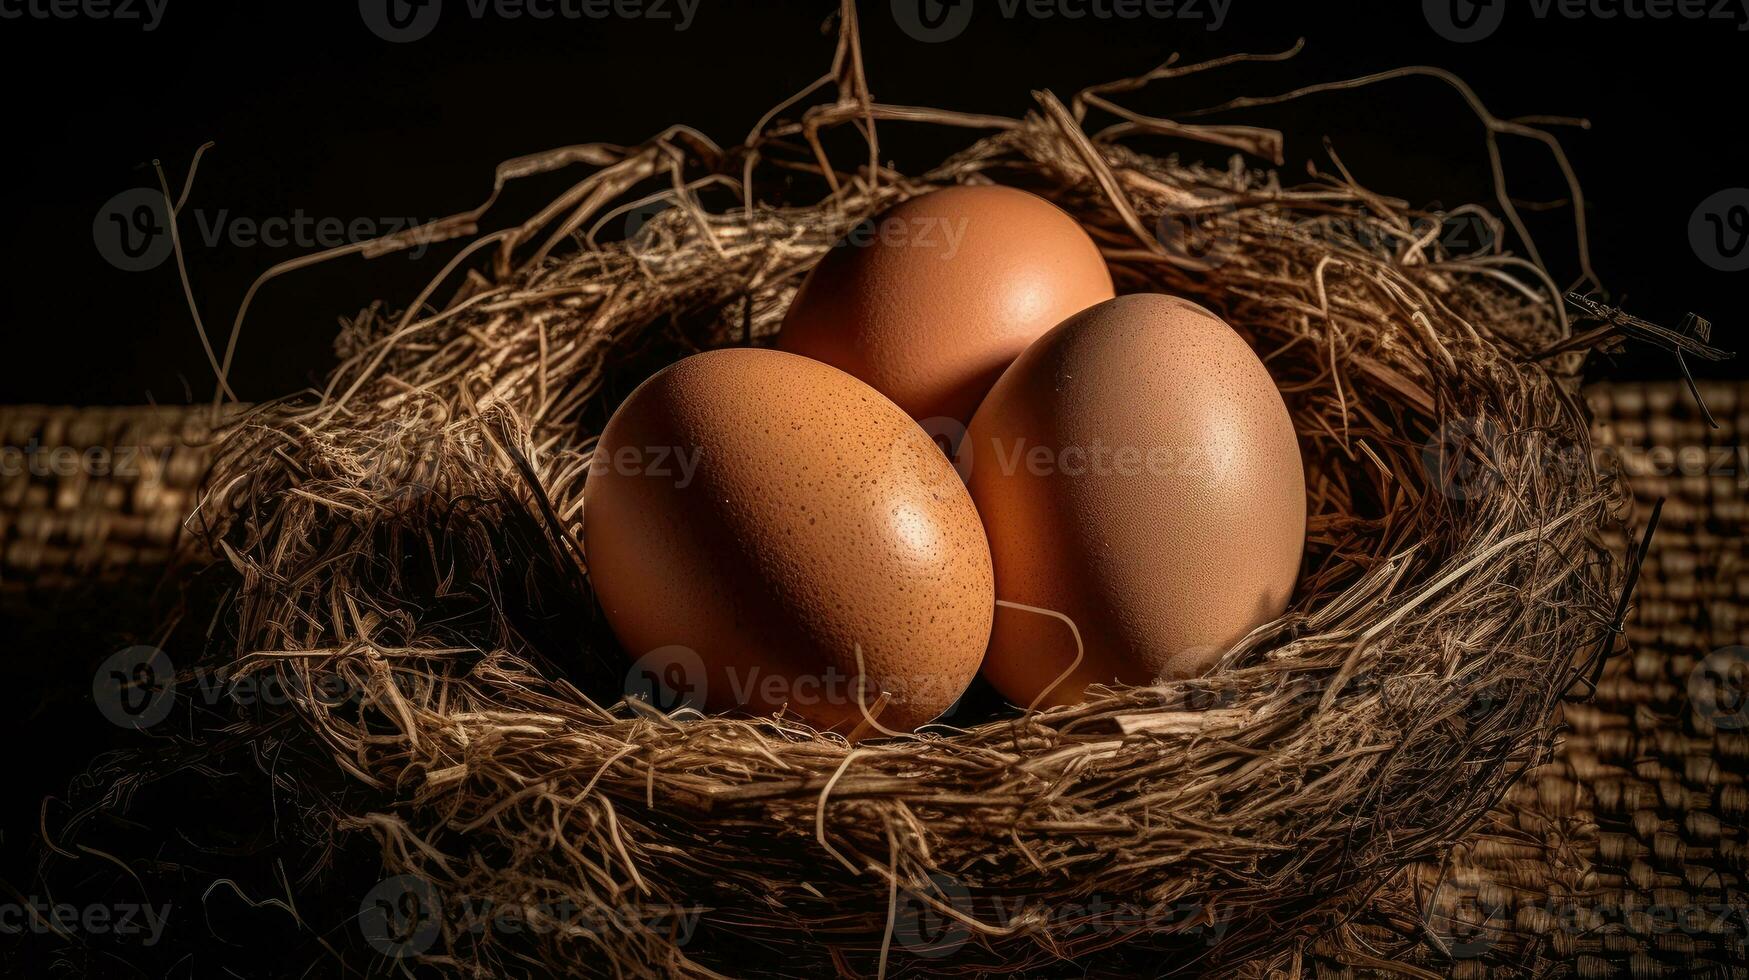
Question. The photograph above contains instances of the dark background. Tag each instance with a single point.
(314, 114)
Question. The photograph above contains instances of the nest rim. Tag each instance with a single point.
(870, 828)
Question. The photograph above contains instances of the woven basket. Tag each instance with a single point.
(1623, 857)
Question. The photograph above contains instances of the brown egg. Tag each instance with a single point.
(933, 299)
(755, 521)
(1137, 472)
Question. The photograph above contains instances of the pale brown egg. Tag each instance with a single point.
(1138, 473)
(755, 522)
(933, 299)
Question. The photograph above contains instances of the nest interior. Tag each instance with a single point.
(411, 535)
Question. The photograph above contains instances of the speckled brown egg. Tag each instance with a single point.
(933, 299)
(1137, 472)
(776, 518)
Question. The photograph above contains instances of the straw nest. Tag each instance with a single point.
(411, 536)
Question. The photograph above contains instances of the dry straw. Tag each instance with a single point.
(414, 531)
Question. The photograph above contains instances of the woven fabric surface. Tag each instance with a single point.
(1623, 857)
(93, 495)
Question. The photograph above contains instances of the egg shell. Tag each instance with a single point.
(933, 299)
(1165, 513)
(818, 520)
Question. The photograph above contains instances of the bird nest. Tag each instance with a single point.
(411, 536)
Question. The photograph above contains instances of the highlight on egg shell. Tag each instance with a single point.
(930, 301)
(765, 532)
(1138, 473)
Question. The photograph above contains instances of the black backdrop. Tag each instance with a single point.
(316, 117)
